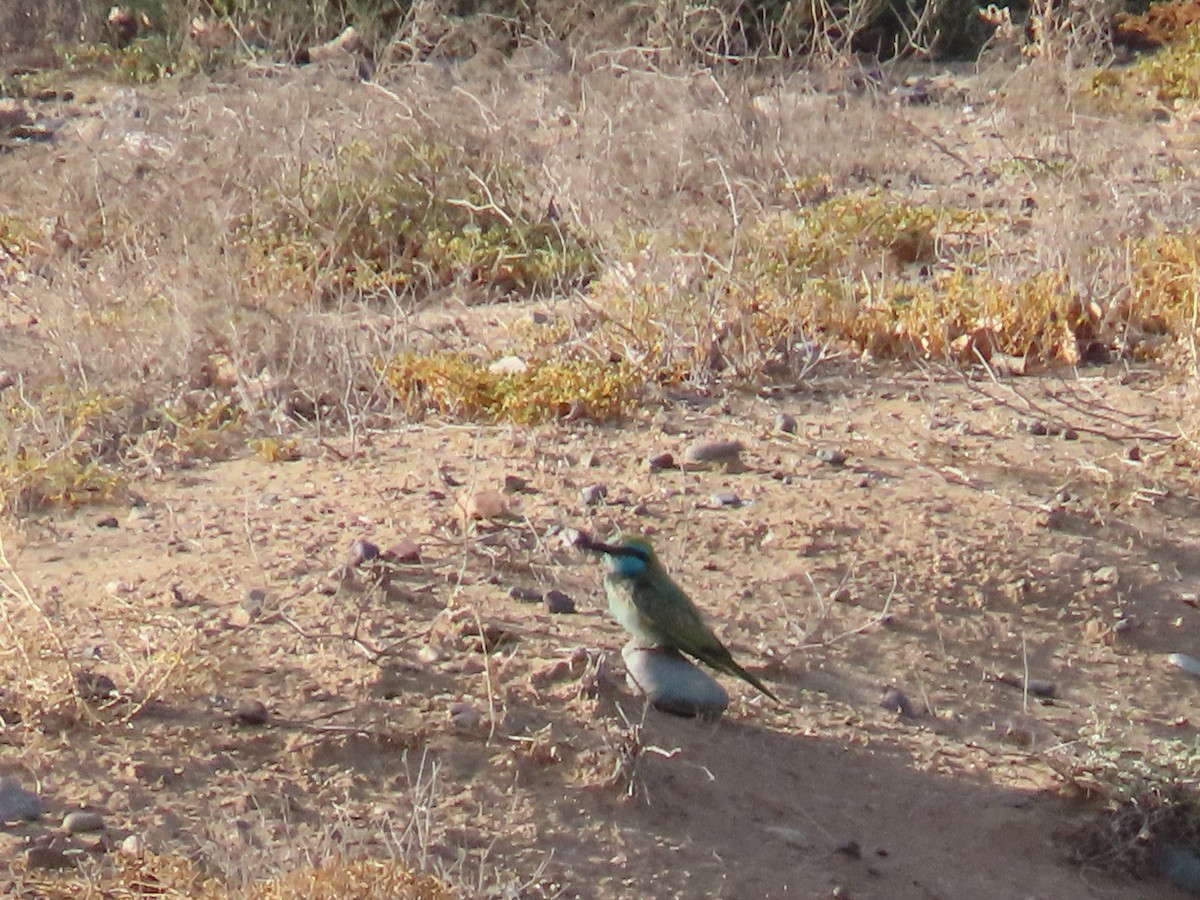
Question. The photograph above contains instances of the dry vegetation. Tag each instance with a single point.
(221, 255)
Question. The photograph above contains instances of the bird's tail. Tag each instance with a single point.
(731, 667)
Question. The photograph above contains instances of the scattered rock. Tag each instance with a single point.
(1039, 687)
(250, 712)
(897, 701)
(268, 499)
(117, 588)
(514, 484)
(1189, 664)
(726, 454)
(18, 804)
(1135, 453)
(487, 504)
(726, 498)
(93, 686)
(785, 424)
(134, 845)
(593, 494)
(1070, 434)
(108, 522)
(660, 461)
(405, 550)
(673, 684)
(525, 594)
(1033, 426)
(559, 603)
(82, 821)
(464, 716)
(47, 858)
(831, 457)
(361, 551)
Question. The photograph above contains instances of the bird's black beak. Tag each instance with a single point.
(585, 541)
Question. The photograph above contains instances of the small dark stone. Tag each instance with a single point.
(831, 457)
(94, 686)
(1036, 427)
(108, 522)
(47, 858)
(1070, 434)
(726, 498)
(897, 701)
(81, 821)
(559, 603)
(661, 461)
(785, 424)
(1135, 453)
(850, 849)
(362, 550)
(18, 804)
(525, 594)
(514, 484)
(250, 712)
(252, 604)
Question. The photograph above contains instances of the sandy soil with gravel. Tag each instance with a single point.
(984, 529)
(953, 547)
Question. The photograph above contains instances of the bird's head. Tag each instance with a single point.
(627, 557)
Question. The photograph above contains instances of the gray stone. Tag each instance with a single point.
(18, 804)
(81, 821)
(785, 424)
(559, 603)
(525, 594)
(831, 457)
(725, 453)
(672, 683)
(593, 494)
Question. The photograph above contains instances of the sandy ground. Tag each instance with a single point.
(952, 547)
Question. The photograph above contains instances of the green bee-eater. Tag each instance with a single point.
(655, 610)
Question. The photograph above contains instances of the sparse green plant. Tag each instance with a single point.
(409, 220)
(456, 385)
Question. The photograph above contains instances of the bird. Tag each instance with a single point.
(655, 610)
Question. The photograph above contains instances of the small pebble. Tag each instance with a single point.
(1070, 434)
(81, 821)
(785, 424)
(464, 716)
(134, 845)
(18, 804)
(108, 522)
(593, 494)
(47, 858)
(724, 452)
(116, 588)
(1034, 426)
(726, 498)
(1135, 453)
(1189, 664)
(252, 603)
(405, 550)
(660, 461)
(831, 457)
(897, 701)
(525, 594)
(250, 712)
(559, 603)
(514, 484)
(486, 505)
(267, 499)
(361, 550)
(94, 686)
